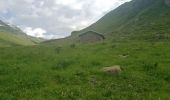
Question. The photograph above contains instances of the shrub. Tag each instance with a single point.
(167, 78)
(73, 45)
(113, 46)
(58, 49)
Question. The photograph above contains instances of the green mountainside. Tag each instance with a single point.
(138, 19)
(11, 35)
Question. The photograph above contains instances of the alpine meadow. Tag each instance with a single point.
(125, 55)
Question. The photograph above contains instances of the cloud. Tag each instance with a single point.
(37, 32)
(56, 17)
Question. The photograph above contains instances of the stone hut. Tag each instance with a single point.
(91, 36)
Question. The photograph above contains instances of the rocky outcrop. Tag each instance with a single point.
(167, 2)
(112, 70)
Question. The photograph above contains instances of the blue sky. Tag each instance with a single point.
(54, 18)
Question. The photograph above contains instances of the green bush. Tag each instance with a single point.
(58, 49)
(73, 45)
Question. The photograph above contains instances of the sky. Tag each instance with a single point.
(54, 18)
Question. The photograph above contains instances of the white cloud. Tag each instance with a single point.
(3, 5)
(37, 32)
(29, 1)
(51, 17)
(74, 4)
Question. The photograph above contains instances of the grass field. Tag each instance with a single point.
(73, 71)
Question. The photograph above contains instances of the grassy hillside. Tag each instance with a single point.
(138, 19)
(36, 40)
(12, 39)
(13, 36)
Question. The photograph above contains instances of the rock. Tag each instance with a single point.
(112, 70)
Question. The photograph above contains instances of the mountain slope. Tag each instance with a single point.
(11, 35)
(144, 19)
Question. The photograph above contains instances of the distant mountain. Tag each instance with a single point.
(138, 19)
(12, 35)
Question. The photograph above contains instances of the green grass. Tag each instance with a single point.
(68, 72)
